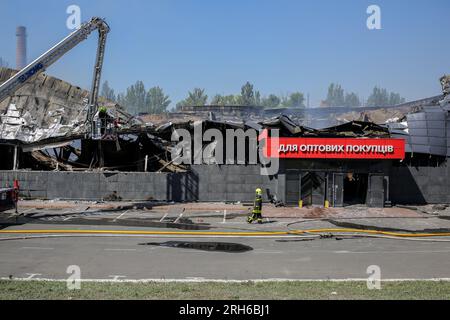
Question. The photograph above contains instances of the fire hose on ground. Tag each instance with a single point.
(307, 233)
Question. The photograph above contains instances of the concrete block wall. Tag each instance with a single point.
(408, 185)
(231, 182)
(35, 184)
(420, 185)
(203, 183)
(92, 185)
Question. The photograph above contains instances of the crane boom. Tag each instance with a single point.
(56, 52)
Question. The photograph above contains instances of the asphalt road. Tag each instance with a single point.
(127, 258)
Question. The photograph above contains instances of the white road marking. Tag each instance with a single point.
(121, 215)
(116, 277)
(71, 212)
(224, 216)
(26, 211)
(267, 251)
(195, 278)
(305, 259)
(31, 275)
(176, 220)
(164, 217)
(225, 280)
(38, 248)
(237, 222)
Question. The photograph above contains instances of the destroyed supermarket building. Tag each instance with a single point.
(335, 156)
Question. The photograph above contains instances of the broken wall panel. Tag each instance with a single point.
(47, 108)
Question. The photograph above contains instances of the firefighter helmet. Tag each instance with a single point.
(258, 191)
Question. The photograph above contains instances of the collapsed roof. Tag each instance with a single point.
(48, 113)
(48, 108)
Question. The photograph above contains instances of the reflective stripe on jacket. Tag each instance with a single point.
(257, 205)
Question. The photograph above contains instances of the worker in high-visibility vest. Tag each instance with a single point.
(257, 208)
(103, 116)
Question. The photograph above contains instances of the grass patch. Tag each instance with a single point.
(13, 289)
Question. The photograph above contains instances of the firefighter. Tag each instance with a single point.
(257, 208)
(103, 116)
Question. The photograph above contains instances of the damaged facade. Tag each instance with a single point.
(46, 122)
(42, 134)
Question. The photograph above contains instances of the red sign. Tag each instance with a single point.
(335, 148)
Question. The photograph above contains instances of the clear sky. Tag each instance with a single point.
(279, 45)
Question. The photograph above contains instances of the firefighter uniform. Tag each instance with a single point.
(257, 208)
(103, 116)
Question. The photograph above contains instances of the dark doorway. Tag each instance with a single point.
(292, 187)
(355, 188)
(376, 192)
(313, 188)
(337, 190)
(6, 160)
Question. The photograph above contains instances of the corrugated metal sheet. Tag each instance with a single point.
(427, 131)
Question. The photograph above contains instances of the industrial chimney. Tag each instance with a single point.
(21, 48)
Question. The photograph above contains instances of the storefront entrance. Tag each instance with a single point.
(306, 186)
(355, 188)
(313, 188)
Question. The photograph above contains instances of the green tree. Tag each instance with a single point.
(257, 100)
(295, 100)
(134, 100)
(395, 98)
(335, 95)
(352, 100)
(218, 100)
(108, 92)
(120, 99)
(196, 97)
(156, 101)
(247, 97)
(228, 100)
(380, 97)
(271, 101)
